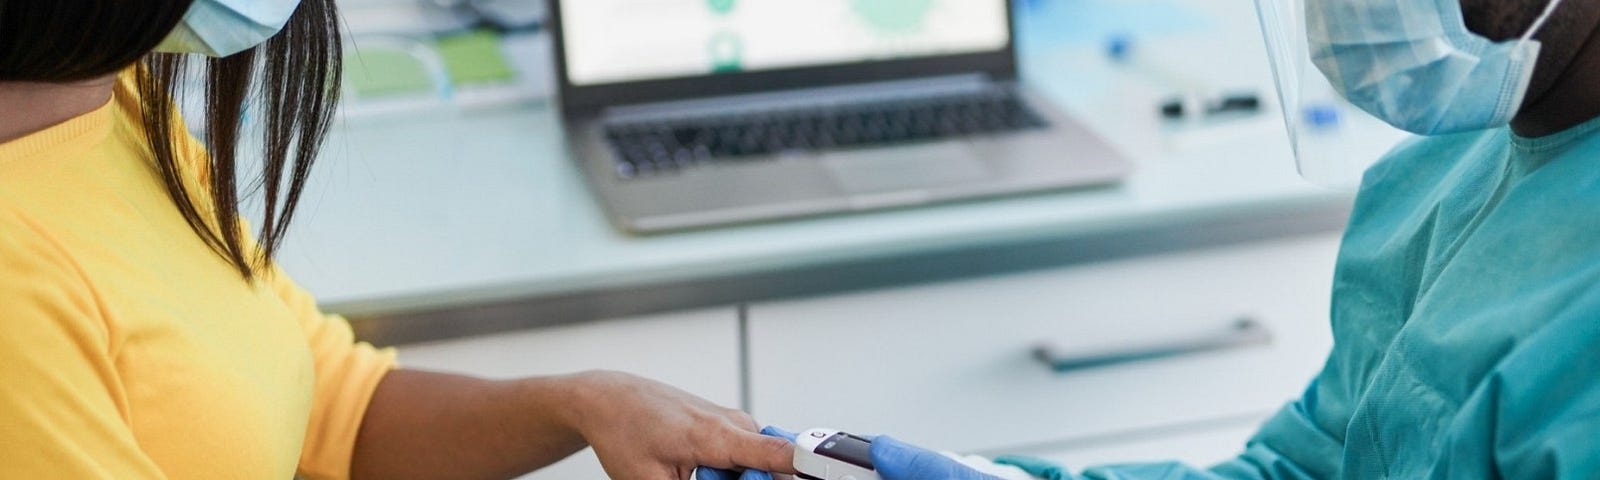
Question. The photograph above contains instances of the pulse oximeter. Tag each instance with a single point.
(828, 454)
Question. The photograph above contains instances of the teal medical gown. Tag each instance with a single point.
(1466, 322)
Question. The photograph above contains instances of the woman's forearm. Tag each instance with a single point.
(424, 425)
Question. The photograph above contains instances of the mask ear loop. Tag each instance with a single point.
(1521, 55)
(1549, 11)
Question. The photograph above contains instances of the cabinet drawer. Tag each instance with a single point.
(952, 364)
(652, 347)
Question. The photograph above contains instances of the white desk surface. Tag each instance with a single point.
(449, 209)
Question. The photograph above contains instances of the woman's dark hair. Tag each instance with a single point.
(291, 83)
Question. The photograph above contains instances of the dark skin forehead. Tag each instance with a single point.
(1570, 53)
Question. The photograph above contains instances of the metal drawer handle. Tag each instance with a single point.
(1244, 332)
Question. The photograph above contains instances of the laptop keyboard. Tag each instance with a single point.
(648, 148)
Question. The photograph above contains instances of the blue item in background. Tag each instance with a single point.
(1321, 116)
(1119, 47)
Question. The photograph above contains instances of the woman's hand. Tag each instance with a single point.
(645, 430)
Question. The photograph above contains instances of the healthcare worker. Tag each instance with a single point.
(1466, 301)
(146, 334)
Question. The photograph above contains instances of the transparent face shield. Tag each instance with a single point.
(1334, 142)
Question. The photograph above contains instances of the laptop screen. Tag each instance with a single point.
(619, 41)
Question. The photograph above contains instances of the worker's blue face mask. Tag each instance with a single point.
(220, 28)
(1415, 65)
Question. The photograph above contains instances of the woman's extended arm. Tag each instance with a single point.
(370, 421)
(422, 425)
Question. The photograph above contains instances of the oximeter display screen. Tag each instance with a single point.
(848, 448)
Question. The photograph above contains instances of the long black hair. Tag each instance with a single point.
(291, 82)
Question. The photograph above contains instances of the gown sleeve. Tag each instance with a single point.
(1290, 446)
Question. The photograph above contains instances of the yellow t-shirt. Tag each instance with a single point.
(129, 350)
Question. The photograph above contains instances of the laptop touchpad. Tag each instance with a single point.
(906, 167)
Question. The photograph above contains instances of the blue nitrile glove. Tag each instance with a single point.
(707, 473)
(895, 460)
(899, 461)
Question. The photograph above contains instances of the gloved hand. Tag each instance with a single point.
(708, 473)
(895, 460)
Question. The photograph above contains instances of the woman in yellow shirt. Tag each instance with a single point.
(146, 334)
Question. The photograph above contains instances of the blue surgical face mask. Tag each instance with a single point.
(1414, 64)
(220, 28)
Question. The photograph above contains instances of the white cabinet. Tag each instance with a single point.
(950, 365)
(695, 351)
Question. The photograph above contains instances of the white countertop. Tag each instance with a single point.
(445, 209)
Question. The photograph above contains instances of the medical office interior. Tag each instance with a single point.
(1160, 309)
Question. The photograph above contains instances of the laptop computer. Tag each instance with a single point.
(694, 113)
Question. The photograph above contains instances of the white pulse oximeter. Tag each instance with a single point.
(828, 454)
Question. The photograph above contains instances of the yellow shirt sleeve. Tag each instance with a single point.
(62, 412)
(347, 374)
